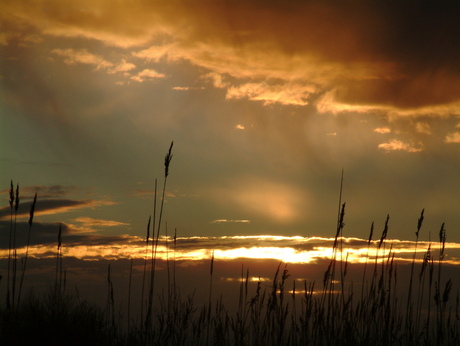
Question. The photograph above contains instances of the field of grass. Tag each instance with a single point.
(379, 309)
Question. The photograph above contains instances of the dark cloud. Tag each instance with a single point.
(52, 206)
(45, 233)
(43, 191)
(403, 53)
(411, 48)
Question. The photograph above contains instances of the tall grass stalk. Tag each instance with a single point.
(14, 252)
(208, 325)
(167, 162)
(10, 247)
(58, 289)
(145, 268)
(31, 218)
(409, 306)
(129, 292)
(371, 233)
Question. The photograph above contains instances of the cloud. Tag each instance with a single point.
(239, 127)
(424, 128)
(82, 56)
(54, 206)
(396, 144)
(382, 130)
(290, 249)
(216, 79)
(283, 94)
(368, 55)
(123, 66)
(147, 74)
(43, 191)
(187, 88)
(453, 137)
(230, 221)
(88, 221)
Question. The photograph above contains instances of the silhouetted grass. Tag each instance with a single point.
(382, 311)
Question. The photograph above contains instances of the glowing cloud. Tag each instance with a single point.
(146, 75)
(382, 130)
(230, 221)
(395, 144)
(82, 56)
(294, 94)
(287, 249)
(453, 137)
(88, 221)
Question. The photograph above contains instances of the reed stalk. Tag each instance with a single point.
(208, 325)
(371, 233)
(31, 217)
(409, 293)
(167, 162)
(58, 274)
(145, 267)
(129, 292)
(14, 251)
(10, 247)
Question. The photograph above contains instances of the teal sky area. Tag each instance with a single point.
(266, 103)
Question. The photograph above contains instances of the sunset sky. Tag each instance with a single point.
(266, 102)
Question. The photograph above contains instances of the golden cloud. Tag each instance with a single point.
(147, 74)
(453, 137)
(396, 144)
(88, 221)
(362, 57)
(382, 130)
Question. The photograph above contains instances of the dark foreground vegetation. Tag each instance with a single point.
(376, 310)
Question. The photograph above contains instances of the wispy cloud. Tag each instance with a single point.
(147, 74)
(82, 56)
(88, 221)
(295, 94)
(382, 130)
(187, 88)
(44, 191)
(453, 137)
(54, 206)
(123, 66)
(317, 51)
(288, 249)
(396, 144)
(230, 221)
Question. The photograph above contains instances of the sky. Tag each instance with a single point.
(266, 102)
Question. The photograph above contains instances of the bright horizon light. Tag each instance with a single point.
(295, 249)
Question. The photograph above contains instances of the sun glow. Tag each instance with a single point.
(293, 249)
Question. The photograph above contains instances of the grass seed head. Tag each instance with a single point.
(11, 194)
(16, 201)
(32, 210)
(168, 159)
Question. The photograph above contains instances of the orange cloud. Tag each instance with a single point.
(382, 130)
(147, 74)
(88, 221)
(82, 56)
(395, 144)
(55, 206)
(284, 94)
(453, 137)
(352, 57)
